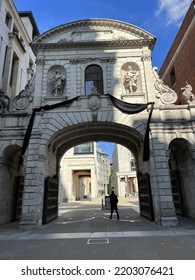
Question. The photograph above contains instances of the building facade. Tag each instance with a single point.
(95, 82)
(177, 70)
(124, 172)
(17, 30)
(103, 173)
(84, 173)
(17, 64)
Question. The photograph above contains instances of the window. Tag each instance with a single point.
(86, 148)
(8, 20)
(5, 56)
(93, 78)
(173, 76)
(133, 165)
(13, 75)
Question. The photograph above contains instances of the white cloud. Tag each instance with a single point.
(174, 10)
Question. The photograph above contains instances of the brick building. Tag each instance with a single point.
(178, 66)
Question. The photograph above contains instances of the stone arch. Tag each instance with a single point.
(53, 147)
(9, 181)
(74, 135)
(182, 175)
(11, 156)
(56, 81)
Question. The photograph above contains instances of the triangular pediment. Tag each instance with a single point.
(94, 30)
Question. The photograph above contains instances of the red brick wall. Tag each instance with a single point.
(184, 63)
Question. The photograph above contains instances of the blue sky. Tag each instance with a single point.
(161, 18)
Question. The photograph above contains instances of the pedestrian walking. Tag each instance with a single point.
(113, 204)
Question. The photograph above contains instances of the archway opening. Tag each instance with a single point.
(78, 186)
(11, 200)
(181, 168)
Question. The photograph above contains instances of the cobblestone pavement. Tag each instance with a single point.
(83, 231)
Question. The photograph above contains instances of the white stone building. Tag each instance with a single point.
(95, 82)
(84, 173)
(124, 172)
(17, 30)
(17, 64)
(103, 172)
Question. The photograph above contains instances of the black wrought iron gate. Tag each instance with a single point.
(145, 197)
(50, 205)
(176, 191)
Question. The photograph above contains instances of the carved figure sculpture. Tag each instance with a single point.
(4, 102)
(58, 83)
(187, 94)
(130, 80)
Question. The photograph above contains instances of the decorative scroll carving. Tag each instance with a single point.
(4, 102)
(164, 92)
(130, 80)
(23, 99)
(187, 94)
(94, 103)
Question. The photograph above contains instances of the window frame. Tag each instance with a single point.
(100, 81)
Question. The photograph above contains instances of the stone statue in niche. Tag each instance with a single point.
(58, 82)
(187, 94)
(130, 80)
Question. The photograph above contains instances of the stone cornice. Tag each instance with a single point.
(94, 44)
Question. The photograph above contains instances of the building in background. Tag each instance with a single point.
(84, 173)
(103, 172)
(17, 30)
(124, 172)
(178, 68)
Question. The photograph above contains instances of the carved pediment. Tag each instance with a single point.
(94, 30)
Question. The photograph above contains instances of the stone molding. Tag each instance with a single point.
(92, 44)
(91, 59)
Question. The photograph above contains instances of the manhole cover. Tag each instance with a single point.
(98, 241)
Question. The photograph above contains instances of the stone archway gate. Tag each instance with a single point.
(63, 53)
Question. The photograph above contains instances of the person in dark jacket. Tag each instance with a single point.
(113, 204)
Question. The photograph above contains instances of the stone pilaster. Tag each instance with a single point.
(164, 210)
(32, 208)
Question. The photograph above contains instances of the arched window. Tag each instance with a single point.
(93, 78)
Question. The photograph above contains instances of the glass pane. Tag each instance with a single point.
(93, 78)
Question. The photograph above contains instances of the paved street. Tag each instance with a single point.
(84, 231)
